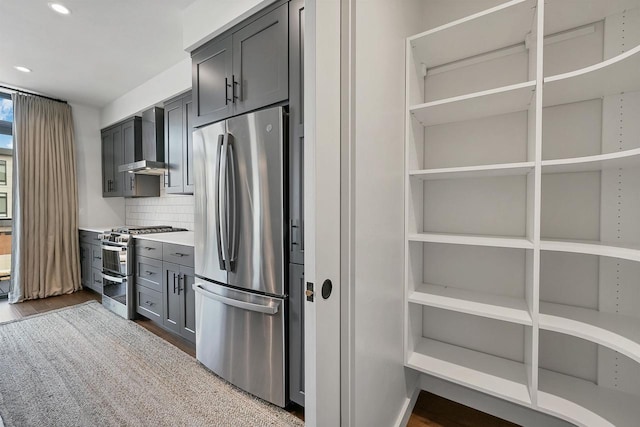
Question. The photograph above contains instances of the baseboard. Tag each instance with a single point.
(407, 408)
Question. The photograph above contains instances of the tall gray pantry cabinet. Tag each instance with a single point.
(256, 64)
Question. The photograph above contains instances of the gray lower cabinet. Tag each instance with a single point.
(164, 283)
(90, 261)
(242, 70)
(178, 148)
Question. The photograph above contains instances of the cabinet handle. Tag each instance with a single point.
(149, 303)
(97, 281)
(179, 283)
(233, 92)
(149, 248)
(179, 254)
(97, 257)
(174, 283)
(148, 273)
(226, 91)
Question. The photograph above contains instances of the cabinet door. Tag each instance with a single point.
(187, 304)
(187, 154)
(261, 62)
(170, 297)
(211, 72)
(131, 151)
(296, 333)
(296, 132)
(85, 264)
(108, 156)
(173, 146)
(116, 160)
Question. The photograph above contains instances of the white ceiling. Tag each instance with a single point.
(101, 51)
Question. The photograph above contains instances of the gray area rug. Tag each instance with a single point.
(85, 366)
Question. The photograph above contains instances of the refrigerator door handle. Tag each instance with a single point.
(266, 309)
(233, 210)
(218, 195)
(223, 200)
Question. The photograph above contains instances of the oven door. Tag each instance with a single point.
(117, 295)
(115, 259)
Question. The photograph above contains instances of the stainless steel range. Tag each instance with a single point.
(118, 267)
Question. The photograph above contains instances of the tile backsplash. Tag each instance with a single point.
(176, 210)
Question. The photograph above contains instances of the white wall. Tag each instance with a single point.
(93, 209)
(165, 85)
(204, 19)
(382, 385)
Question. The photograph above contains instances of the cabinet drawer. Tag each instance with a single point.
(96, 256)
(95, 280)
(149, 273)
(90, 237)
(149, 248)
(149, 303)
(178, 254)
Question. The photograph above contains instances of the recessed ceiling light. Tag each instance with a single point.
(63, 10)
(23, 69)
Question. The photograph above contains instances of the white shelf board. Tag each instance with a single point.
(472, 240)
(620, 159)
(619, 333)
(471, 302)
(631, 253)
(615, 75)
(562, 15)
(584, 403)
(509, 22)
(503, 169)
(493, 375)
(492, 102)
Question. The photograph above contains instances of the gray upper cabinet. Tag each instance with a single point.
(260, 62)
(243, 71)
(179, 145)
(121, 144)
(212, 82)
(112, 146)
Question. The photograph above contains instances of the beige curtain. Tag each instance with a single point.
(45, 259)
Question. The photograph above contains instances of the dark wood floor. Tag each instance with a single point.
(430, 410)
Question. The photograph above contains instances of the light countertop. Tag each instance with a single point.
(97, 228)
(185, 238)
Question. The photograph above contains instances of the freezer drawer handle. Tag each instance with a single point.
(267, 309)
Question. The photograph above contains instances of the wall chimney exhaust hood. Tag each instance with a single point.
(152, 161)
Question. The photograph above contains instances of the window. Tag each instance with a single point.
(6, 121)
(3, 172)
(3, 205)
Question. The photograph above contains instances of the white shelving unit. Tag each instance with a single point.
(522, 219)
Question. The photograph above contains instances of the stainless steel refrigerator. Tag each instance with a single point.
(239, 251)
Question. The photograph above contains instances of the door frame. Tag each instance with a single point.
(322, 212)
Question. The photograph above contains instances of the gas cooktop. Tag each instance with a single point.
(146, 230)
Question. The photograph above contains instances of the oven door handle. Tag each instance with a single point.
(114, 248)
(114, 278)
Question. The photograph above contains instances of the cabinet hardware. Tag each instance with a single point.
(180, 279)
(226, 91)
(148, 273)
(149, 303)
(97, 257)
(149, 248)
(179, 254)
(233, 92)
(174, 283)
(97, 281)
